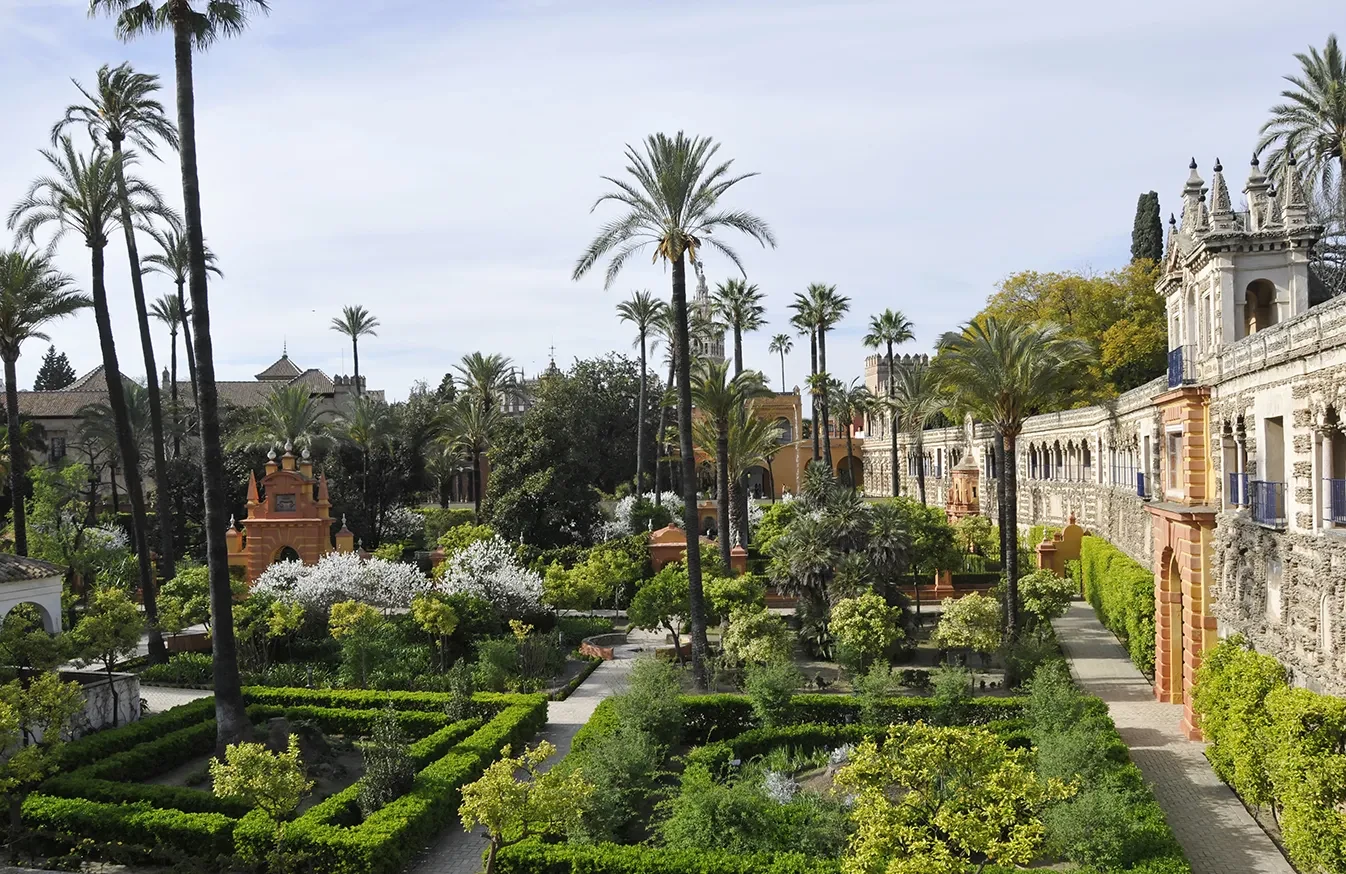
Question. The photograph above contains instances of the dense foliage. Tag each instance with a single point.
(1122, 594)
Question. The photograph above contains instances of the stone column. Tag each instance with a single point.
(1241, 465)
(1325, 479)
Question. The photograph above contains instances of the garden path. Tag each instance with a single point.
(458, 851)
(1212, 825)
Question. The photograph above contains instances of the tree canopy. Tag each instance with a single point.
(1118, 313)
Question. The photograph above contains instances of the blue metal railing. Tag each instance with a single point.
(1337, 498)
(1141, 490)
(1238, 489)
(1180, 369)
(1267, 500)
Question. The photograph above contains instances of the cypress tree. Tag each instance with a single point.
(55, 372)
(1147, 234)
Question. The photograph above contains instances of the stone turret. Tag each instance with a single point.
(1256, 190)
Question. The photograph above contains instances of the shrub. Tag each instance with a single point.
(652, 700)
(1044, 595)
(182, 669)
(770, 688)
(441, 519)
(389, 770)
(951, 691)
(575, 628)
(727, 594)
(866, 626)
(1094, 828)
(970, 622)
(1122, 594)
(875, 687)
(497, 664)
(1308, 776)
(459, 537)
(459, 685)
(622, 767)
(271, 782)
(1232, 685)
(755, 636)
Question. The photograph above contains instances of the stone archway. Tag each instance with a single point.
(851, 470)
(286, 553)
(1168, 630)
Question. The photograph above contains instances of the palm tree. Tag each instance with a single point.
(472, 426)
(739, 305)
(85, 194)
(720, 397)
(642, 310)
(888, 329)
(289, 417)
(781, 344)
(98, 427)
(1003, 372)
(805, 322)
(368, 425)
(1310, 127)
(672, 202)
(197, 24)
(752, 442)
(917, 398)
(123, 107)
(32, 293)
(356, 322)
(167, 310)
(828, 307)
(852, 400)
(443, 461)
(487, 378)
(174, 261)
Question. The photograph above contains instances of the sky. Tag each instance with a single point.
(437, 162)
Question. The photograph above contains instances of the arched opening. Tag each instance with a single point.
(1259, 306)
(757, 482)
(287, 553)
(850, 471)
(23, 619)
(1170, 636)
(786, 432)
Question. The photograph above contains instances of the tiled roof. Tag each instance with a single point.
(14, 568)
(315, 379)
(93, 380)
(57, 404)
(282, 369)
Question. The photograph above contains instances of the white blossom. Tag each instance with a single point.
(343, 576)
(401, 525)
(779, 787)
(621, 514)
(488, 569)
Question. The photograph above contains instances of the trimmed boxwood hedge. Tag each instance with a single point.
(533, 857)
(89, 803)
(1121, 591)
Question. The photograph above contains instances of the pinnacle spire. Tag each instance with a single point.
(1296, 205)
(1221, 209)
(1256, 189)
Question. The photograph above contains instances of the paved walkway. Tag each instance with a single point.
(1215, 830)
(161, 698)
(459, 852)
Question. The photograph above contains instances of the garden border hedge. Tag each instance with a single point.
(82, 804)
(1121, 591)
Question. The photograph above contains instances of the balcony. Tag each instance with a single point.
(1181, 369)
(1336, 490)
(1267, 500)
(1238, 490)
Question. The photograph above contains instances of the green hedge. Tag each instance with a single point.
(101, 801)
(441, 519)
(96, 747)
(536, 858)
(385, 842)
(370, 699)
(1122, 594)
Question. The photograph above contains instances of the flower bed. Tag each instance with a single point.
(95, 796)
(725, 737)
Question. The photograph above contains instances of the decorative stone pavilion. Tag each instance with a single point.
(289, 518)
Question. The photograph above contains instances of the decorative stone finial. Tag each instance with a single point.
(232, 522)
(289, 447)
(307, 455)
(271, 453)
(1192, 166)
(1218, 169)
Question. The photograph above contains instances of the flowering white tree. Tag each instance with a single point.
(402, 525)
(488, 569)
(621, 513)
(343, 576)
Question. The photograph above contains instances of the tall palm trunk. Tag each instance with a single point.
(173, 391)
(682, 355)
(850, 457)
(999, 455)
(722, 488)
(782, 370)
(663, 423)
(116, 396)
(230, 716)
(640, 424)
(116, 498)
(920, 465)
(476, 478)
(1010, 474)
(827, 431)
(892, 427)
(188, 349)
(355, 362)
(813, 398)
(167, 552)
(738, 491)
(16, 458)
